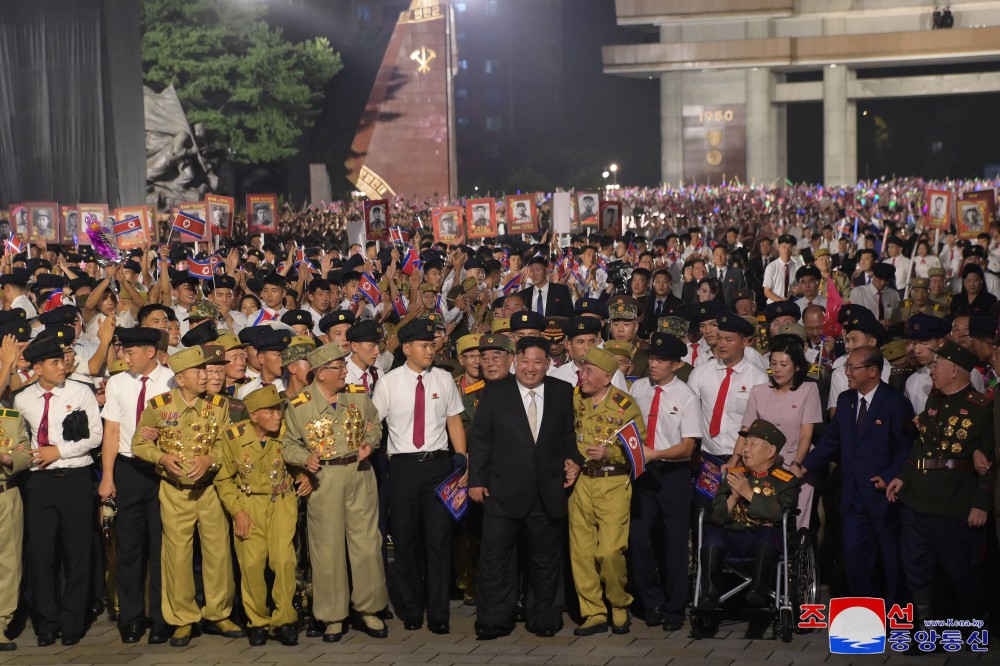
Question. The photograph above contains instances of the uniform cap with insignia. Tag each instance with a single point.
(501, 325)
(63, 334)
(496, 341)
(467, 343)
(17, 277)
(201, 334)
(272, 339)
(848, 311)
(322, 355)
(795, 330)
(707, 311)
(554, 329)
(788, 239)
(974, 251)
(960, 356)
(48, 281)
(336, 318)
(623, 309)
(139, 336)
(936, 272)
(865, 322)
(884, 271)
(591, 306)
(744, 295)
(666, 346)
(920, 283)
(766, 431)
(469, 283)
(297, 317)
(203, 310)
(364, 331)
(733, 323)
(675, 326)
(927, 327)
(582, 326)
(262, 398)
(18, 315)
(527, 320)
(426, 288)
(894, 350)
(185, 359)
(19, 329)
(822, 252)
(214, 354)
(982, 327)
(64, 314)
(422, 329)
(435, 318)
(118, 367)
(43, 349)
(298, 349)
(781, 309)
(603, 359)
(808, 271)
(230, 341)
(620, 348)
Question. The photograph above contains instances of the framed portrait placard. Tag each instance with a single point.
(376, 219)
(18, 220)
(448, 224)
(974, 213)
(937, 213)
(262, 213)
(522, 214)
(43, 221)
(611, 218)
(198, 209)
(69, 223)
(220, 214)
(143, 227)
(481, 218)
(87, 213)
(587, 209)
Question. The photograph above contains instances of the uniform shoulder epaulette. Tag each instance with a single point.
(217, 400)
(236, 430)
(978, 399)
(576, 390)
(472, 388)
(781, 474)
(622, 399)
(161, 400)
(356, 388)
(301, 399)
(9, 413)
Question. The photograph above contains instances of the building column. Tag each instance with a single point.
(840, 128)
(765, 128)
(671, 128)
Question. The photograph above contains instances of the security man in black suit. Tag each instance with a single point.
(556, 300)
(522, 457)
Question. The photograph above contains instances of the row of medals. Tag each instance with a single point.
(950, 431)
(278, 476)
(173, 441)
(320, 433)
(605, 428)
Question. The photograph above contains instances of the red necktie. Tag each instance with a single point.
(579, 373)
(142, 400)
(788, 271)
(654, 413)
(881, 308)
(43, 427)
(364, 380)
(694, 353)
(418, 414)
(715, 427)
(374, 372)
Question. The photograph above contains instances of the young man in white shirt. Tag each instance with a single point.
(779, 276)
(582, 333)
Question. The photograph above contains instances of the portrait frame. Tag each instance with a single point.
(17, 220)
(930, 204)
(38, 210)
(587, 215)
(440, 215)
(968, 204)
(228, 206)
(530, 202)
(200, 210)
(68, 225)
(268, 203)
(614, 228)
(139, 237)
(374, 231)
(474, 230)
(100, 211)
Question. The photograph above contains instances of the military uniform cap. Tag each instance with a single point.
(982, 327)
(18, 277)
(766, 431)
(336, 318)
(744, 294)
(422, 329)
(603, 359)
(808, 271)
(781, 309)
(230, 341)
(795, 330)
(883, 271)
(298, 349)
(178, 278)
(920, 283)
(496, 341)
(936, 272)
(426, 288)
(707, 310)
(435, 318)
(325, 354)
(582, 326)
(822, 252)
(214, 354)
(225, 282)
(501, 325)
(63, 334)
(262, 398)
(297, 317)
(734, 323)
(467, 343)
(620, 348)
(79, 283)
(623, 310)
(865, 322)
(19, 329)
(185, 359)
(364, 331)
(118, 367)
(553, 331)
(787, 238)
(974, 250)
(203, 310)
(49, 281)
(960, 356)
(249, 334)
(469, 283)
(201, 334)
(666, 346)
(43, 349)
(64, 314)
(272, 339)
(139, 336)
(527, 320)
(676, 326)
(926, 327)
(893, 350)
(591, 306)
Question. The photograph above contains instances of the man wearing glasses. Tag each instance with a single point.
(332, 432)
(872, 430)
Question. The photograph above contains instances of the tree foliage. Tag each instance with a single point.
(254, 92)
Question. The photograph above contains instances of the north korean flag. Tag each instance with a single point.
(512, 284)
(15, 244)
(264, 316)
(190, 225)
(200, 269)
(411, 262)
(399, 306)
(632, 442)
(370, 289)
(54, 301)
(127, 226)
(397, 235)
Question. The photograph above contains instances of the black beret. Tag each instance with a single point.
(35, 263)
(133, 266)
(248, 335)
(927, 327)
(12, 316)
(272, 339)
(527, 319)
(18, 277)
(865, 322)
(974, 250)
(667, 347)
(64, 314)
(983, 327)
(808, 271)
(582, 326)
(334, 318)
(42, 350)
(353, 262)
(734, 323)
(80, 282)
(781, 309)
(178, 278)
(848, 311)
(19, 329)
(293, 317)
(48, 281)
(364, 331)
(592, 306)
(139, 336)
(417, 330)
(64, 334)
(225, 282)
(787, 238)
(884, 271)
(201, 334)
(473, 263)
(706, 311)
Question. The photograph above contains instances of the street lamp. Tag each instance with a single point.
(614, 172)
(604, 175)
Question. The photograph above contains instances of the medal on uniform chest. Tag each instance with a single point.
(245, 468)
(319, 437)
(354, 427)
(279, 479)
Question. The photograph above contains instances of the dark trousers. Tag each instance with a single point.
(870, 539)
(746, 542)
(59, 512)
(140, 533)
(497, 588)
(418, 515)
(664, 492)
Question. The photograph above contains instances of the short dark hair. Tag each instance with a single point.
(665, 273)
(149, 309)
(533, 341)
(318, 283)
(788, 344)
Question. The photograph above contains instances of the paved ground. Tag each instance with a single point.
(642, 646)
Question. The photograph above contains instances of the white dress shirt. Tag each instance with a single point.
(803, 302)
(592, 290)
(256, 383)
(122, 397)
(774, 276)
(544, 289)
(567, 373)
(678, 415)
(706, 381)
(66, 398)
(355, 375)
(316, 317)
(867, 296)
(25, 304)
(838, 379)
(394, 399)
(539, 404)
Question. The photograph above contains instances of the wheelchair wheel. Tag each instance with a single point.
(785, 622)
(804, 578)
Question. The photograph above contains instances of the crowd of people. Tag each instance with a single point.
(257, 442)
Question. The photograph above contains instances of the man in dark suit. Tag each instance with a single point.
(757, 266)
(522, 457)
(872, 431)
(730, 277)
(661, 302)
(555, 298)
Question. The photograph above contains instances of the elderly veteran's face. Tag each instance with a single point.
(593, 379)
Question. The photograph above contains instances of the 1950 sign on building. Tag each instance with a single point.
(714, 143)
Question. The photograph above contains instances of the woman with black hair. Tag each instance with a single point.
(973, 299)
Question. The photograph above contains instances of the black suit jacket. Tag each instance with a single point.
(732, 282)
(505, 459)
(559, 302)
(671, 305)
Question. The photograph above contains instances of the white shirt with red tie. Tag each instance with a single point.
(678, 413)
(65, 399)
(361, 377)
(706, 381)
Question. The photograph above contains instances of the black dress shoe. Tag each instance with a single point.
(315, 628)
(132, 632)
(489, 632)
(46, 639)
(654, 617)
(287, 634)
(438, 626)
(7, 646)
(520, 615)
(546, 632)
(412, 625)
(70, 640)
(258, 636)
(673, 623)
(159, 634)
(385, 615)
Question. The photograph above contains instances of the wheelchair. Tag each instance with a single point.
(796, 583)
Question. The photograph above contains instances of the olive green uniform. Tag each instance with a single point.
(599, 505)
(907, 309)
(774, 492)
(640, 359)
(343, 507)
(189, 431)
(13, 441)
(466, 535)
(253, 478)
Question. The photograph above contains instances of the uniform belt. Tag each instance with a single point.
(423, 455)
(342, 460)
(61, 472)
(601, 472)
(4, 487)
(945, 463)
(202, 485)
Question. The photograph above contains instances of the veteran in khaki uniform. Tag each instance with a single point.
(599, 505)
(215, 385)
(256, 489)
(15, 456)
(180, 432)
(466, 535)
(919, 302)
(332, 432)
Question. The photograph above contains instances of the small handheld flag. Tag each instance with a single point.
(200, 269)
(513, 284)
(15, 244)
(397, 235)
(369, 288)
(399, 306)
(632, 443)
(190, 225)
(411, 262)
(264, 315)
(127, 226)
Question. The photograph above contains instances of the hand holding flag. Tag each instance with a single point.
(632, 443)
(189, 225)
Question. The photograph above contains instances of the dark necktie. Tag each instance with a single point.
(364, 380)
(881, 307)
(142, 399)
(539, 306)
(862, 413)
(579, 373)
(43, 427)
(788, 275)
(654, 413)
(657, 311)
(374, 372)
(418, 414)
